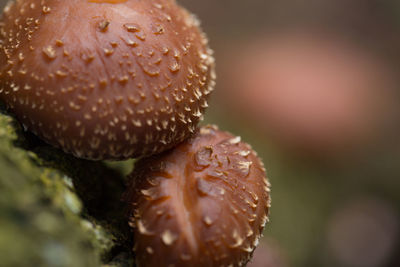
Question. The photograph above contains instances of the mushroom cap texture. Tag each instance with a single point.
(204, 203)
(105, 79)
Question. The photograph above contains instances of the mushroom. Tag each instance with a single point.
(314, 94)
(204, 203)
(105, 79)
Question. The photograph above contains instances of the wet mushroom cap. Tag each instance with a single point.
(204, 203)
(105, 79)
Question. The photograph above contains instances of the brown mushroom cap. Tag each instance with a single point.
(105, 79)
(204, 203)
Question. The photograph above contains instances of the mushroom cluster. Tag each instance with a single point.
(118, 79)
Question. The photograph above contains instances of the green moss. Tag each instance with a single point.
(56, 210)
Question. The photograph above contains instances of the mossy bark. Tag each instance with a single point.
(56, 210)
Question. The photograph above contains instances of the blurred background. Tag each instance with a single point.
(313, 86)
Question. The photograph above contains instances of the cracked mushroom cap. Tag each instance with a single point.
(105, 79)
(204, 203)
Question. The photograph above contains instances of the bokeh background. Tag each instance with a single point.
(314, 86)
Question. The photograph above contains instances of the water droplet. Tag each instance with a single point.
(49, 52)
(103, 82)
(250, 232)
(247, 249)
(21, 57)
(168, 237)
(150, 250)
(157, 5)
(152, 73)
(203, 157)
(108, 52)
(165, 50)
(175, 67)
(142, 229)
(235, 140)
(157, 29)
(130, 42)
(254, 196)
(244, 153)
(46, 10)
(59, 43)
(132, 27)
(207, 220)
(141, 36)
(244, 167)
(238, 240)
(103, 25)
(61, 73)
(123, 79)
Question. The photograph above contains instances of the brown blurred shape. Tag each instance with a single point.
(311, 91)
(363, 233)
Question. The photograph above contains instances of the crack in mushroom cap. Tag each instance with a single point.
(204, 203)
(105, 79)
